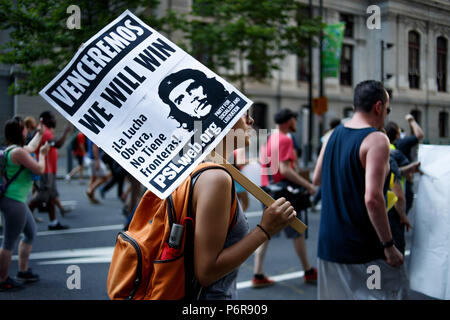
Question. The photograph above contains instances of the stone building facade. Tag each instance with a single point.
(416, 34)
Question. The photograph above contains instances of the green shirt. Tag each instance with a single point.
(18, 190)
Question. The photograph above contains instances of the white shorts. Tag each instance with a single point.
(375, 280)
(101, 172)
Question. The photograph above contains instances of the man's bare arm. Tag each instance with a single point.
(291, 175)
(375, 149)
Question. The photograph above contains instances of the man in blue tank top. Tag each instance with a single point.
(357, 257)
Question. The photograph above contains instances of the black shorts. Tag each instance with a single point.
(46, 188)
(80, 160)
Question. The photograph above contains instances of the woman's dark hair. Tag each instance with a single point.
(48, 119)
(367, 93)
(13, 131)
(391, 131)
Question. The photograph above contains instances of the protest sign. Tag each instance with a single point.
(147, 103)
(429, 265)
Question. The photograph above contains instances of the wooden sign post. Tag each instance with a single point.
(256, 191)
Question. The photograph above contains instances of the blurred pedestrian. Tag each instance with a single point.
(403, 169)
(99, 173)
(406, 145)
(31, 125)
(279, 155)
(46, 194)
(17, 217)
(134, 193)
(78, 146)
(354, 232)
(117, 176)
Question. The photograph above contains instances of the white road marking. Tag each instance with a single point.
(79, 230)
(278, 278)
(73, 256)
(104, 254)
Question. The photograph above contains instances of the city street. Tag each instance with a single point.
(88, 245)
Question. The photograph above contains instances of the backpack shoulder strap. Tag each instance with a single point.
(9, 181)
(194, 177)
(192, 287)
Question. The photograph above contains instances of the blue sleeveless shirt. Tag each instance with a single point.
(346, 234)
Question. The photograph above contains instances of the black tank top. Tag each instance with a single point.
(346, 234)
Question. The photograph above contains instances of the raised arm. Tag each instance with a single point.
(34, 143)
(60, 142)
(21, 156)
(416, 129)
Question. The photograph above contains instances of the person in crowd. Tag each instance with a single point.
(131, 199)
(279, 156)
(17, 217)
(47, 192)
(333, 124)
(99, 174)
(406, 145)
(354, 232)
(403, 170)
(31, 125)
(117, 175)
(79, 152)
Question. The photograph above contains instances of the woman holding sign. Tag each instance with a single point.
(218, 252)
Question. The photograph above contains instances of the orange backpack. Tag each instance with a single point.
(153, 259)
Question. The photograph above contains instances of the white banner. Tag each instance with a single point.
(147, 103)
(430, 251)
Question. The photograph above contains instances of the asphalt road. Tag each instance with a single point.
(86, 248)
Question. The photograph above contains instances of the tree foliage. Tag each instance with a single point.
(219, 32)
(41, 44)
(225, 33)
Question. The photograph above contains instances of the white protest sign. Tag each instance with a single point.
(429, 266)
(143, 100)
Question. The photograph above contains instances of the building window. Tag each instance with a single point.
(346, 74)
(202, 52)
(414, 59)
(257, 71)
(349, 24)
(441, 75)
(417, 116)
(259, 115)
(443, 124)
(303, 68)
